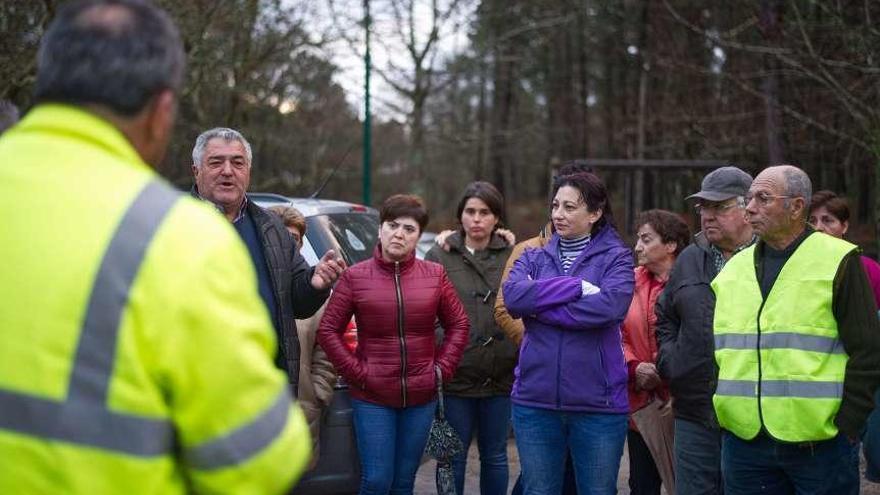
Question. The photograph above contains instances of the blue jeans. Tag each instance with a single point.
(544, 436)
(490, 417)
(766, 466)
(697, 458)
(568, 484)
(390, 443)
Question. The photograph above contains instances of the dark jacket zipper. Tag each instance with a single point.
(758, 324)
(607, 392)
(759, 275)
(400, 334)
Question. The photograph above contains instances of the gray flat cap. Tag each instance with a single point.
(724, 183)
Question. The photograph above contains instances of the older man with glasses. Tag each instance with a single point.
(797, 349)
(684, 327)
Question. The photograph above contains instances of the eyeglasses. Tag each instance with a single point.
(763, 198)
(718, 208)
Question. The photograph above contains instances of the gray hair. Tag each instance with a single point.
(223, 133)
(8, 115)
(115, 53)
(797, 185)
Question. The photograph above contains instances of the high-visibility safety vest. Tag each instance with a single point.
(135, 353)
(781, 362)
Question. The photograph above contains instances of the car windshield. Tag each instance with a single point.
(354, 235)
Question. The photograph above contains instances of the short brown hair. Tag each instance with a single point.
(669, 226)
(835, 205)
(291, 217)
(404, 205)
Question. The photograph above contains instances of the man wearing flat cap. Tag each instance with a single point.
(685, 329)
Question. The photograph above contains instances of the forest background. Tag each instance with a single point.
(507, 90)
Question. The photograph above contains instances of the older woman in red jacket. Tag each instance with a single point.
(395, 299)
(661, 236)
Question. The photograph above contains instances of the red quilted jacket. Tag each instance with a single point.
(393, 364)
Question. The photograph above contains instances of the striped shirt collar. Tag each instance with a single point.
(718, 257)
(570, 249)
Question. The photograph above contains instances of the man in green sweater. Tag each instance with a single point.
(797, 347)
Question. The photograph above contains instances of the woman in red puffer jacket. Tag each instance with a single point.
(396, 300)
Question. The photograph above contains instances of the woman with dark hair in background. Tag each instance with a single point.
(570, 386)
(396, 299)
(661, 236)
(829, 213)
(478, 399)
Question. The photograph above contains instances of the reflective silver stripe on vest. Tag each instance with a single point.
(780, 388)
(244, 442)
(738, 388)
(96, 352)
(85, 424)
(83, 418)
(810, 390)
(780, 340)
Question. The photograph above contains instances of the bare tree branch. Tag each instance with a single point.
(756, 92)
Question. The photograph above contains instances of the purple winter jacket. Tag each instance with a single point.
(571, 358)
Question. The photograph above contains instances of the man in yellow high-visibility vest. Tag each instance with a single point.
(135, 353)
(797, 350)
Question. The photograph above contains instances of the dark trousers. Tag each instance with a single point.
(872, 443)
(766, 466)
(697, 458)
(644, 479)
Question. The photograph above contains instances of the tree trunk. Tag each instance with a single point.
(640, 193)
(583, 129)
(771, 28)
(482, 142)
(417, 147)
(502, 109)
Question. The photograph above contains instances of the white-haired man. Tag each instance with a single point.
(290, 289)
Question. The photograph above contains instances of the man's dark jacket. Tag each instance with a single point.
(685, 313)
(291, 286)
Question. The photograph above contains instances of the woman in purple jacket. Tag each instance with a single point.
(570, 388)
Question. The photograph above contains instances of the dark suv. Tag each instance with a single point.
(352, 231)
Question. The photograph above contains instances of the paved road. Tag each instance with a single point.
(425, 476)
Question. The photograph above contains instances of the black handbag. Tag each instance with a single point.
(443, 443)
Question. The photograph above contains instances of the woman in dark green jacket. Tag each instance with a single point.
(478, 398)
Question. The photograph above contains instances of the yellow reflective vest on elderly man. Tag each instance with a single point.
(135, 354)
(780, 360)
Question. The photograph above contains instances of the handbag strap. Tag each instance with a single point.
(440, 407)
